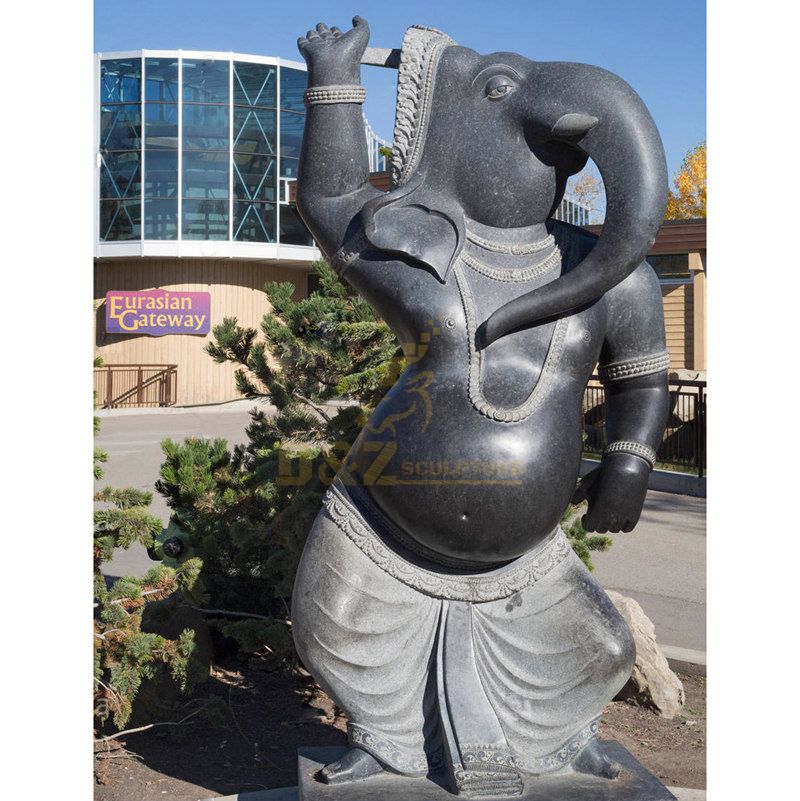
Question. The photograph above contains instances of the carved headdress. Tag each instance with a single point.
(419, 57)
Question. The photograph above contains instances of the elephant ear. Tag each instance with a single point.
(425, 235)
(402, 222)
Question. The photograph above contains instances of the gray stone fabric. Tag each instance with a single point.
(548, 656)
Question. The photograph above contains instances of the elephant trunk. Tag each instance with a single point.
(599, 114)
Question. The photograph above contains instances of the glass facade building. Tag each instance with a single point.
(195, 152)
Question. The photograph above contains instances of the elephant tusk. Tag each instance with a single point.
(381, 57)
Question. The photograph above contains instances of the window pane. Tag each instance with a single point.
(254, 177)
(291, 133)
(289, 168)
(160, 219)
(205, 81)
(120, 127)
(161, 174)
(205, 174)
(671, 266)
(255, 130)
(119, 175)
(293, 84)
(254, 222)
(120, 219)
(120, 80)
(205, 127)
(160, 125)
(205, 219)
(253, 84)
(161, 80)
(293, 229)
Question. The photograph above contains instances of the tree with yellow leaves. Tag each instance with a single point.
(689, 196)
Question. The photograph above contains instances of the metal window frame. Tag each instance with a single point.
(278, 76)
(178, 247)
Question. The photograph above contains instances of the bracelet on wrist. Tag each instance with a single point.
(336, 93)
(639, 449)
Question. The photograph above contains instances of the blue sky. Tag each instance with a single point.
(659, 48)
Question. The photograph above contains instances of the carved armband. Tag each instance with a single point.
(328, 95)
(633, 368)
(636, 448)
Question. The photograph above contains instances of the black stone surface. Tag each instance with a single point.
(635, 783)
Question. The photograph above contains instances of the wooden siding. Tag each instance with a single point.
(236, 289)
(674, 236)
(679, 324)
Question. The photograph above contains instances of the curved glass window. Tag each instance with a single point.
(161, 94)
(120, 149)
(255, 150)
(199, 149)
(293, 85)
(206, 131)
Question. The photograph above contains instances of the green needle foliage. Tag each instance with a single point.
(323, 363)
(582, 542)
(124, 655)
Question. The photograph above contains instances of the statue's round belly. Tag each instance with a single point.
(467, 488)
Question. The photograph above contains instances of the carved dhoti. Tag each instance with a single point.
(484, 675)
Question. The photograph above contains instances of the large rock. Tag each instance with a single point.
(652, 684)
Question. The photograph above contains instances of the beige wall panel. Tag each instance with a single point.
(236, 289)
(679, 324)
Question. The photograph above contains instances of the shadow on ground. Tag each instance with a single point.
(246, 739)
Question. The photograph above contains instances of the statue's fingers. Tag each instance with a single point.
(311, 35)
(322, 27)
(335, 31)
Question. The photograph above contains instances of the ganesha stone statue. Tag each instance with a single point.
(437, 601)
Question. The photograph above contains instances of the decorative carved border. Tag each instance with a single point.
(546, 377)
(511, 248)
(633, 368)
(473, 587)
(511, 275)
(636, 448)
(385, 751)
(327, 95)
(564, 755)
(419, 56)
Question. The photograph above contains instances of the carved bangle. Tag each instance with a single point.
(636, 448)
(634, 368)
(327, 95)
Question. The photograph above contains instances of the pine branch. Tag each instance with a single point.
(150, 726)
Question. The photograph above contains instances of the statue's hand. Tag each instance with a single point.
(615, 491)
(334, 57)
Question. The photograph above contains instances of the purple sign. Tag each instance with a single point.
(158, 312)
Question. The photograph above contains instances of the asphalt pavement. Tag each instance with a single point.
(662, 563)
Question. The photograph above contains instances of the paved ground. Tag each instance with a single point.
(661, 564)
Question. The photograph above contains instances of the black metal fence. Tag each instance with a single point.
(684, 444)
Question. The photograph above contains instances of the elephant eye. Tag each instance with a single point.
(499, 86)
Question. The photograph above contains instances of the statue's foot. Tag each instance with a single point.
(593, 761)
(355, 764)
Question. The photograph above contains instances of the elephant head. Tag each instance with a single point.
(494, 139)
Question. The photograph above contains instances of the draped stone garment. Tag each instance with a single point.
(487, 675)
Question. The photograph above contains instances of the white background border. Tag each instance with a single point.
(753, 333)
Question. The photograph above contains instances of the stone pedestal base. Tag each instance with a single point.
(635, 783)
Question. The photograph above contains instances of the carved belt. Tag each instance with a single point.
(473, 587)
